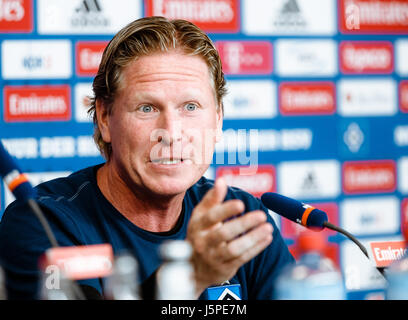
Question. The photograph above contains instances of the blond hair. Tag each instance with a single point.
(143, 37)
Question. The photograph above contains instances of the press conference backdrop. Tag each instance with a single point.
(316, 110)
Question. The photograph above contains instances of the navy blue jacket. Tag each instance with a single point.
(79, 214)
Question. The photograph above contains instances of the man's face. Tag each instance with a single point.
(164, 123)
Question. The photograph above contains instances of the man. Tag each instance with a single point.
(158, 113)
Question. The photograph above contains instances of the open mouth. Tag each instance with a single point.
(167, 161)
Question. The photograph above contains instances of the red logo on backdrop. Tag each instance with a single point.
(88, 57)
(366, 57)
(404, 218)
(403, 93)
(291, 229)
(37, 103)
(16, 16)
(209, 15)
(307, 98)
(245, 57)
(373, 16)
(264, 180)
(386, 253)
(369, 176)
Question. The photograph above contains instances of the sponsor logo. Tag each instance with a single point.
(83, 94)
(16, 16)
(353, 137)
(81, 262)
(401, 136)
(86, 16)
(292, 230)
(403, 175)
(387, 252)
(373, 16)
(89, 12)
(265, 140)
(403, 96)
(35, 103)
(307, 98)
(36, 59)
(374, 97)
(311, 58)
(366, 57)
(209, 15)
(86, 147)
(245, 57)
(369, 176)
(404, 218)
(21, 148)
(88, 57)
(57, 147)
(263, 180)
(309, 179)
(250, 99)
(289, 17)
(401, 53)
(370, 216)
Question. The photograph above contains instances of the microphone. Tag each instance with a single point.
(295, 211)
(22, 189)
(304, 214)
(16, 181)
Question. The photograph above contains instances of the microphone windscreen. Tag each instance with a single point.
(284, 206)
(294, 210)
(7, 164)
(16, 181)
(317, 218)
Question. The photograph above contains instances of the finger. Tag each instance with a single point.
(239, 247)
(221, 212)
(250, 253)
(233, 228)
(214, 196)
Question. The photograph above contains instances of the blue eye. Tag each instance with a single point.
(190, 107)
(146, 108)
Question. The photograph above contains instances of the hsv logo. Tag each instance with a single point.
(209, 15)
(373, 16)
(88, 57)
(403, 94)
(245, 57)
(37, 103)
(16, 16)
(292, 230)
(387, 252)
(81, 262)
(369, 176)
(366, 57)
(307, 98)
(264, 180)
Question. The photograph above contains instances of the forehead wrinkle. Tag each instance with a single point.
(138, 72)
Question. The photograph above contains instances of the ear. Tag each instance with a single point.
(220, 119)
(102, 115)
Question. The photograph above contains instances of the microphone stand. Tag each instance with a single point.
(331, 226)
(50, 235)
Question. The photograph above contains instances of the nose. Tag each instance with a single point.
(169, 128)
